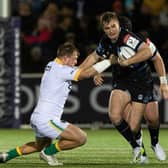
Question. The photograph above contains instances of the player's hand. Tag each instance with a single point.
(164, 90)
(113, 59)
(123, 62)
(98, 79)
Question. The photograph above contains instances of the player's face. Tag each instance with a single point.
(73, 59)
(112, 29)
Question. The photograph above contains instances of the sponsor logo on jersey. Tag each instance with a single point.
(132, 42)
(47, 68)
(140, 97)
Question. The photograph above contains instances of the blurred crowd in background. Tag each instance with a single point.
(45, 24)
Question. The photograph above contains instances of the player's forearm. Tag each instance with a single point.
(159, 65)
(142, 55)
(95, 69)
(160, 69)
(89, 61)
(87, 73)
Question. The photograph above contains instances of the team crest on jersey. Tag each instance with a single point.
(131, 41)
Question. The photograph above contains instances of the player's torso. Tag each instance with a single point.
(54, 90)
(137, 72)
(53, 87)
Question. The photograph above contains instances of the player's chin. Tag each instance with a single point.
(72, 65)
(112, 37)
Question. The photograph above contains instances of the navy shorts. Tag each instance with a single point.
(142, 93)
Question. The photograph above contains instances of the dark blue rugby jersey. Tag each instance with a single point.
(138, 72)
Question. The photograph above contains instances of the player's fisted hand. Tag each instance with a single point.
(122, 61)
(164, 90)
(113, 59)
(98, 79)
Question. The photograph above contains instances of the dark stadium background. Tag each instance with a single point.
(44, 25)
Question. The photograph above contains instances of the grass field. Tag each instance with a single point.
(104, 149)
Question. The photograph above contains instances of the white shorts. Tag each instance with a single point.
(50, 128)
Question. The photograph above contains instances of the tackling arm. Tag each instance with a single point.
(95, 69)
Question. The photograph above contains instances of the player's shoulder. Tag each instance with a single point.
(130, 39)
(104, 46)
(126, 34)
(54, 67)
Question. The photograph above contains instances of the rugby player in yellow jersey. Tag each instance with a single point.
(46, 117)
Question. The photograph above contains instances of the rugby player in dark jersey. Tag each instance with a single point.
(151, 114)
(132, 80)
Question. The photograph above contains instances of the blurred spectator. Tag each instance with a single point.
(158, 34)
(48, 23)
(41, 33)
(154, 6)
(80, 9)
(27, 18)
(35, 44)
(117, 7)
(50, 15)
(96, 7)
(129, 7)
(141, 17)
(164, 15)
(37, 6)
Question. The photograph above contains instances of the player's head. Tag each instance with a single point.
(125, 23)
(110, 25)
(68, 53)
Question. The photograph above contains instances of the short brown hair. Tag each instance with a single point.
(106, 17)
(66, 49)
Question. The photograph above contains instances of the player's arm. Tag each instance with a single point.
(159, 65)
(95, 69)
(143, 53)
(100, 53)
(160, 69)
(90, 60)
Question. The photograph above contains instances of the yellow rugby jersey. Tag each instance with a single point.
(55, 87)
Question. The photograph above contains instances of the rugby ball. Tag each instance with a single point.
(125, 52)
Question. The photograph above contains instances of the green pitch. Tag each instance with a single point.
(104, 149)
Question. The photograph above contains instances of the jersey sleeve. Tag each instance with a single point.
(103, 49)
(70, 73)
(153, 48)
(132, 41)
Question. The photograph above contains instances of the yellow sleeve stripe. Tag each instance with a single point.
(77, 74)
(18, 151)
(57, 146)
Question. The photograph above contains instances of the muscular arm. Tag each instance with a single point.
(90, 60)
(87, 73)
(143, 54)
(159, 65)
(160, 69)
(95, 69)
